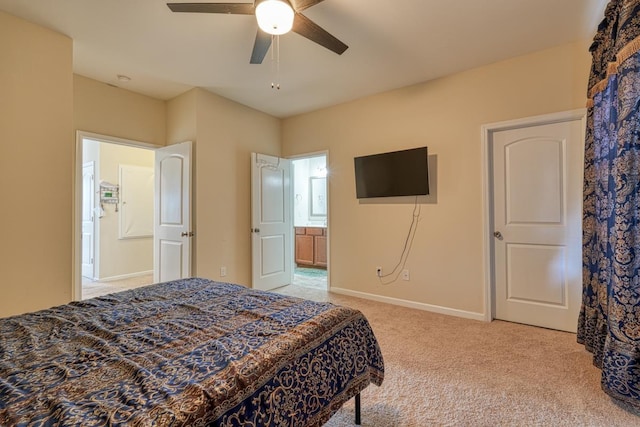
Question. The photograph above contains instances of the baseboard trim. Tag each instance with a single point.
(412, 304)
(125, 276)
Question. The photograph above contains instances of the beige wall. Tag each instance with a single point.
(446, 115)
(182, 117)
(112, 111)
(225, 135)
(43, 102)
(36, 154)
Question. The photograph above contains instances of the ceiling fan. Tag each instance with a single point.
(274, 17)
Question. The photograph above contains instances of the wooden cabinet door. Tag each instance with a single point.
(320, 251)
(304, 249)
(315, 231)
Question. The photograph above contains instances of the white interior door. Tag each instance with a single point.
(270, 221)
(537, 191)
(88, 205)
(172, 213)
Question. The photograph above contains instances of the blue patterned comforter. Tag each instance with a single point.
(185, 353)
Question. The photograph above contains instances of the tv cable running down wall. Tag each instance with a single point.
(406, 250)
(394, 174)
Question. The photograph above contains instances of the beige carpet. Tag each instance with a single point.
(447, 371)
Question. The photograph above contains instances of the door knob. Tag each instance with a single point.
(497, 235)
(187, 234)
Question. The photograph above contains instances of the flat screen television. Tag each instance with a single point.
(398, 173)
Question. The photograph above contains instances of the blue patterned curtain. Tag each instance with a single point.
(609, 323)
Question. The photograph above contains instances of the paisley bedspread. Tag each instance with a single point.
(185, 353)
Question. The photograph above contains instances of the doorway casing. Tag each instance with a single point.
(324, 153)
(76, 285)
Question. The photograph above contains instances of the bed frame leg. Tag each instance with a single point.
(358, 409)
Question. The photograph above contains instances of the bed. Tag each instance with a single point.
(189, 352)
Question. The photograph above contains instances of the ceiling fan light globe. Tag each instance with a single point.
(274, 17)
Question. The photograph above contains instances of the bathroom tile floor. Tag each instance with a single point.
(310, 278)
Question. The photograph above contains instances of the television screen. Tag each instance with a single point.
(399, 173)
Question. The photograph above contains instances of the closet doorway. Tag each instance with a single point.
(310, 206)
(533, 192)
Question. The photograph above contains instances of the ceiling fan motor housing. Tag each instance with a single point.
(274, 16)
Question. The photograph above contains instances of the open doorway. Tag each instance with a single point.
(310, 221)
(117, 203)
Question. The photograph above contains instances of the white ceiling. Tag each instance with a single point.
(392, 43)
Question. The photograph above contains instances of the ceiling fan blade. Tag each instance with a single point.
(309, 29)
(260, 47)
(300, 5)
(231, 8)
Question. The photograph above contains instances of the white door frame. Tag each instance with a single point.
(93, 220)
(324, 153)
(76, 282)
(487, 190)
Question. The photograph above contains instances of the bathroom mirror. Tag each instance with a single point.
(318, 197)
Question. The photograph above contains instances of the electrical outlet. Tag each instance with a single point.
(405, 275)
(223, 271)
(379, 271)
